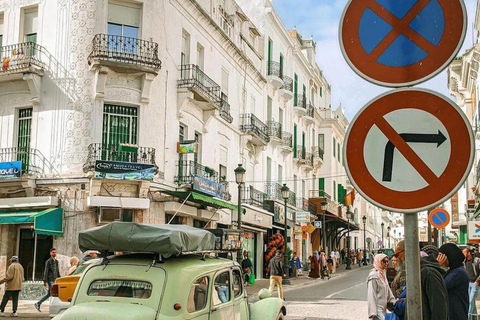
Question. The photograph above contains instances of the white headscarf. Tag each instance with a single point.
(378, 266)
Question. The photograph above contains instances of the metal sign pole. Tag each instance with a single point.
(412, 268)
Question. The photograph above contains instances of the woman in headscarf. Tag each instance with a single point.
(314, 266)
(456, 280)
(378, 290)
(73, 265)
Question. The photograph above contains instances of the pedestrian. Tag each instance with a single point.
(378, 291)
(50, 273)
(295, 264)
(277, 273)
(343, 254)
(333, 256)
(90, 254)
(247, 266)
(472, 266)
(456, 280)
(73, 265)
(13, 285)
(359, 257)
(314, 267)
(323, 266)
(399, 282)
(337, 256)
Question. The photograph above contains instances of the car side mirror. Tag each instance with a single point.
(264, 293)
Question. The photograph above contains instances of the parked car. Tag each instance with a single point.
(62, 290)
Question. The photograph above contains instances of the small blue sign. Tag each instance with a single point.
(10, 170)
(207, 186)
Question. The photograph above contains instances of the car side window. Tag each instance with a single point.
(221, 288)
(237, 283)
(198, 296)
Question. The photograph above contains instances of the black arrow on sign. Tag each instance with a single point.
(437, 138)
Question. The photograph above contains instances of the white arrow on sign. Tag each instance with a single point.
(317, 224)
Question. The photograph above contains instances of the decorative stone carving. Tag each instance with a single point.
(123, 95)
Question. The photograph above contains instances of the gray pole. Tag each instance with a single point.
(324, 231)
(412, 261)
(239, 216)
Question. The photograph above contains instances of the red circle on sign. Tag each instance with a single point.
(438, 56)
(434, 212)
(439, 188)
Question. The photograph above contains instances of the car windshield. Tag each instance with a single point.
(80, 269)
(120, 288)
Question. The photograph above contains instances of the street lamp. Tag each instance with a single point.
(349, 214)
(364, 219)
(388, 234)
(285, 193)
(240, 179)
(382, 225)
(324, 228)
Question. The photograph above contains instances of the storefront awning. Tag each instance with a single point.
(202, 199)
(48, 222)
(475, 215)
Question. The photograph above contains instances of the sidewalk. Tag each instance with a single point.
(26, 310)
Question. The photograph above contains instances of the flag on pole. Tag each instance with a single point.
(350, 197)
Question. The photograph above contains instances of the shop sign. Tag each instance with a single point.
(256, 218)
(123, 170)
(207, 186)
(10, 170)
(303, 216)
(298, 237)
(304, 236)
(474, 230)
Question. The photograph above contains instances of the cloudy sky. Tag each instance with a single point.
(320, 19)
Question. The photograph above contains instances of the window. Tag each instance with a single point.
(225, 81)
(269, 109)
(23, 137)
(201, 57)
(294, 140)
(334, 149)
(197, 299)
(321, 187)
(281, 65)
(1, 30)
(181, 138)
(295, 182)
(280, 174)
(339, 153)
(120, 288)
(30, 24)
(197, 156)
(321, 91)
(334, 191)
(280, 117)
(199, 224)
(185, 55)
(123, 22)
(303, 189)
(176, 220)
(221, 288)
(252, 104)
(237, 283)
(269, 169)
(120, 125)
(321, 141)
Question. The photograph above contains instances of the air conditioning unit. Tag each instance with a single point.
(107, 215)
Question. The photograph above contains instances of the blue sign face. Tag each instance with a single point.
(123, 170)
(10, 170)
(439, 217)
(207, 186)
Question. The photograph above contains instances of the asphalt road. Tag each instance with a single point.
(343, 297)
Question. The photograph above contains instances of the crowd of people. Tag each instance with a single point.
(450, 279)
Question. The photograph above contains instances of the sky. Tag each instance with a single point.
(320, 19)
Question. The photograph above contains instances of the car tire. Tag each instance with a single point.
(280, 316)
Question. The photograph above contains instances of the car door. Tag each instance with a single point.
(222, 297)
(198, 298)
(240, 303)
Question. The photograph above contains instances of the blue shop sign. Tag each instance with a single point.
(123, 170)
(10, 170)
(207, 186)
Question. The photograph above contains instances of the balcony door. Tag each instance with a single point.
(120, 126)
(23, 137)
(123, 28)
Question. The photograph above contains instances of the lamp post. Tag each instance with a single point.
(349, 214)
(388, 235)
(364, 219)
(284, 190)
(324, 227)
(240, 179)
(382, 225)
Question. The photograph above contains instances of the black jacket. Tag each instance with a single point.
(276, 266)
(51, 270)
(434, 290)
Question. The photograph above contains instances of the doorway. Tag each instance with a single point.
(26, 253)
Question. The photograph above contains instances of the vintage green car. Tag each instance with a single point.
(182, 286)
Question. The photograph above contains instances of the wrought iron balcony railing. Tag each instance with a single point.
(310, 112)
(21, 56)
(301, 153)
(125, 50)
(253, 196)
(33, 161)
(309, 159)
(274, 129)
(300, 101)
(274, 191)
(225, 109)
(317, 152)
(191, 76)
(250, 123)
(100, 151)
(226, 191)
(286, 139)
(186, 170)
(287, 83)
(274, 69)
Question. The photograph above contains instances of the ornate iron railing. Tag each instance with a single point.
(309, 159)
(301, 152)
(21, 56)
(186, 170)
(286, 139)
(225, 109)
(274, 191)
(274, 69)
(287, 83)
(100, 151)
(226, 191)
(191, 76)
(250, 123)
(292, 198)
(317, 152)
(274, 129)
(253, 196)
(300, 101)
(33, 161)
(310, 110)
(125, 50)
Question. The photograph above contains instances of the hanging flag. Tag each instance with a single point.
(350, 197)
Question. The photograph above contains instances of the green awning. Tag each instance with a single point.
(48, 222)
(477, 212)
(202, 199)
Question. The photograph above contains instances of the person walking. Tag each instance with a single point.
(295, 265)
(13, 279)
(378, 291)
(399, 282)
(333, 256)
(323, 266)
(51, 273)
(277, 273)
(247, 267)
(314, 267)
(456, 280)
(360, 257)
(472, 266)
(337, 255)
(343, 254)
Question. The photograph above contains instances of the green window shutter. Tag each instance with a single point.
(340, 194)
(321, 187)
(120, 125)
(23, 140)
(334, 144)
(321, 91)
(334, 191)
(295, 89)
(339, 155)
(281, 66)
(294, 140)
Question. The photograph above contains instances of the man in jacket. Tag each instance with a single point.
(276, 273)
(14, 279)
(472, 266)
(51, 273)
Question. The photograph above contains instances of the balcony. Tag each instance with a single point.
(125, 52)
(274, 191)
(33, 161)
(299, 155)
(99, 151)
(274, 74)
(225, 109)
(286, 143)
(253, 196)
(258, 130)
(226, 191)
(206, 92)
(308, 165)
(287, 88)
(274, 132)
(309, 115)
(292, 198)
(187, 170)
(317, 156)
(300, 104)
(22, 58)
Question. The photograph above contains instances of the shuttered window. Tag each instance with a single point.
(23, 139)
(120, 125)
